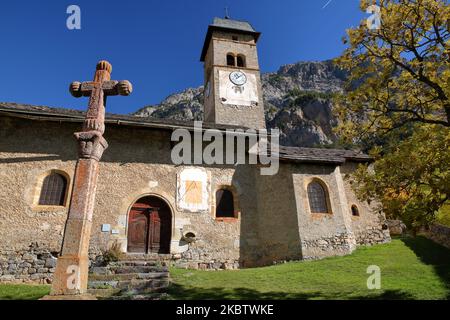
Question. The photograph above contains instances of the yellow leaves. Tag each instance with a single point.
(395, 194)
(376, 152)
(399, 69)
(411, 175)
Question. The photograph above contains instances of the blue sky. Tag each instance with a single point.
(155, 44)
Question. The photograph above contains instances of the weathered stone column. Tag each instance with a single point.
(345, 214)
(72, 268)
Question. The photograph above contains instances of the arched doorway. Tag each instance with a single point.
(149, 226)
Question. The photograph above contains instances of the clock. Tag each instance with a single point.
(238, 78)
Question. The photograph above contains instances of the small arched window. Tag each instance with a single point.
(53, 192)
(230, 60)
(241, 61)
(224, 204)
(355, 211)
(317, 197)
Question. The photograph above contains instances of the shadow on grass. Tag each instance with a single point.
(432, 254)
(180, 292)
(387, 295)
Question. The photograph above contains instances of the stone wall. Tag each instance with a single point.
(33, 264)
(136, 164)
(324, 234)
(339, 244)
(370, 227)
(396, 227)
(29, 151)
(273, 222)
(439, 234)
(215, 61)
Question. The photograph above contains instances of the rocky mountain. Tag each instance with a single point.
(186, 105)
(297, 101)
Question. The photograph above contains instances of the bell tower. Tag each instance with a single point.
(233, 91)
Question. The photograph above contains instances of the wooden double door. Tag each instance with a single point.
(149, 226)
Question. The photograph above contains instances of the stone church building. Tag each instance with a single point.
(197, 216)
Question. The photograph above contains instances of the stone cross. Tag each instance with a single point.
(71, 275)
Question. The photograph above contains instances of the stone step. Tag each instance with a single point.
(146, 296)
(104, 293)
(146, 257)
(141, 277)
(137, 286)
(133, 286)
(121, 269)
(137, 263)
(128, 276)
(137, 269)
(103, 284)
(99, 270)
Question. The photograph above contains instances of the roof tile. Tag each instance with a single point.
(297, 154)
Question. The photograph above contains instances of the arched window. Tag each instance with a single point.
(241, 61)
(53, 192)
(230, 60)
(317, 197)
(224, 204)
(355, 211)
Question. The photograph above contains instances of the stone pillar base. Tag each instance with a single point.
(70, 297)
(71, 276)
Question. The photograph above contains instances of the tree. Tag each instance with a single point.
(412, 178)
(396, 103)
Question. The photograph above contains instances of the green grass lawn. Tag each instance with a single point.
(410, 269)
(22, 291)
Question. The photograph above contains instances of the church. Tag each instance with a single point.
(207, 216)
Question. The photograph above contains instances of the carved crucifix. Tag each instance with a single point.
(92, 143)
(71, 275)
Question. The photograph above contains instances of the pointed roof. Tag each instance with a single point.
(233, 24)
(226, 24)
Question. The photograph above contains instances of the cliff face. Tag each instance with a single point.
(186, 105)
(297, 101)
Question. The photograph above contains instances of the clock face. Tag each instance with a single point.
(238, 78)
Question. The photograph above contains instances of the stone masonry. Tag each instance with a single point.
(271, 217)
(254, 238)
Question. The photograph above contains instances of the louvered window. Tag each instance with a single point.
(241, 61)
(231, 60)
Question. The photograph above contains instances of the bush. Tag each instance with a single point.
(443, 216)
(113, 254)
(302, 97)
